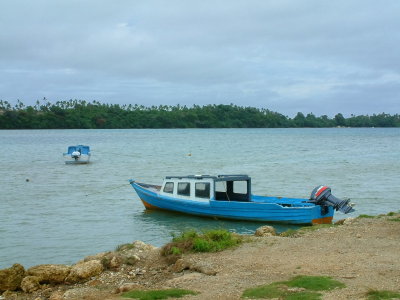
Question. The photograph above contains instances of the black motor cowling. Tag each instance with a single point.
(322, 195)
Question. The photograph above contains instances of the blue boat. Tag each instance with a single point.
(79, 154)
(230, 197)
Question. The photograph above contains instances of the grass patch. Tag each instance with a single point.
(207, 241)
(176, 251)
(390, 214)
(123, 247)
(279, 291)
(394, 214)
(308, 288)
(315, 283)
(157, 294)
(366, 217)
(303, 296)
(376, 295)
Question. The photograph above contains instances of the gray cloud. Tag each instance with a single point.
(312, 56)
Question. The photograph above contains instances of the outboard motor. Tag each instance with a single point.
(321, 195)
(76, 155)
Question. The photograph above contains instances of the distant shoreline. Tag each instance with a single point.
(80, 114)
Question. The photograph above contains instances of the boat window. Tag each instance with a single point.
(220, 186)
(169, 187)
(232, 190)
(184, 188)
(240, 187)
(202, 189)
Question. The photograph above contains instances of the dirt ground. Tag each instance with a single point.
(363, 254)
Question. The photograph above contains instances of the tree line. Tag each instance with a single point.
(80, 114)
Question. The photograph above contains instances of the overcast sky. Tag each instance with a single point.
(314, 56)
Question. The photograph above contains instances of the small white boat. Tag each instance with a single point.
(79, 154)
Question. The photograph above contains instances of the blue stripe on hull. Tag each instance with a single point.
(251, 211)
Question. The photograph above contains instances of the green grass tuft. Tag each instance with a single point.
(190, 234)
(306, 295)
(124, 247)
(308, 288)
(272, 290)
(366, 217)
(158, 294)
(278, 290)
(376, 295)
(176, 251)
(314, 283)
(207, 241)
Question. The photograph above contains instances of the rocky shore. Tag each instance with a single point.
(363, 253)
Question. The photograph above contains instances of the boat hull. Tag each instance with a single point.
(83, 159)
(249, 211)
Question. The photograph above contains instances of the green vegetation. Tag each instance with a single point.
(303, 296)
(376, 295)
(396, 216)
(123, 247)
(314, 283)
(87, 115)
(367, 217)
(300, 287)
(157, 294)
(176, 251)
(207, 241)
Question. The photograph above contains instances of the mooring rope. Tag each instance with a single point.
(105, 191)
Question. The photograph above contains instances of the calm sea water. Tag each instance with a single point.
(56, 213)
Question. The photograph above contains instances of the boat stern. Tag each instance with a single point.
(324, 220)
(323, 215)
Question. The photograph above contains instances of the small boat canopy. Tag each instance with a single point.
(79, 148)
(226, 187)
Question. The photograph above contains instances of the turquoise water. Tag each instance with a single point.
(56, 213)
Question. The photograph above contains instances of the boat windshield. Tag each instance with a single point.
(232, 190)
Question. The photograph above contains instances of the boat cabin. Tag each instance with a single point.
(206, 187)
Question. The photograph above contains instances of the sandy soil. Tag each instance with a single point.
(364, 255)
